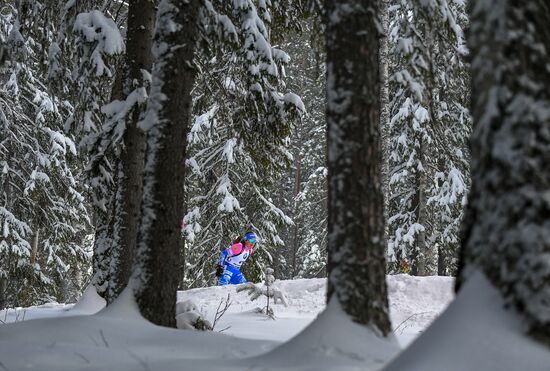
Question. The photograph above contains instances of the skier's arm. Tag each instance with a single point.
(223, 255)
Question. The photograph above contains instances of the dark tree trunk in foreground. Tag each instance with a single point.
(356, 256)
(141, 15)
(507, 224)
(167, 120)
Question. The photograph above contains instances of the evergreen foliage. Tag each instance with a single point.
(304, 192)
(44, 214)
(239, 140)
(506, 223)
(256, 148)
(428, 128)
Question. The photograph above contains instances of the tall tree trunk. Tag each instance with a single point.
(141, 14)
(167, 120)
(506, 227)
(356, 256)
(385, 109)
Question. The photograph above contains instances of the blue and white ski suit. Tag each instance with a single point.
(231, 258)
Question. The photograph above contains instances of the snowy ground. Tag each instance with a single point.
(414, 303)
(118, 338)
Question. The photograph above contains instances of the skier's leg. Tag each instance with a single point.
(238, 278)
(226, 276)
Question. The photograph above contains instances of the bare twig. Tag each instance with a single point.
(221, 311)
(226, 328)
(408, 318)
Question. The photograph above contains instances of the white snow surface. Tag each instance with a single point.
(118, 338)
(414, 303)
(475, 333)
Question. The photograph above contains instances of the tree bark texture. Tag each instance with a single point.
(139, 58)
(507, 222)
(169, 115)
(356, 256)
(385, 107)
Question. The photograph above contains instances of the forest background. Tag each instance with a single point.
(256, 149)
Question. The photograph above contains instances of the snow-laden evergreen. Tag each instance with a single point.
(43, 211)
(428, 127)
(83, 63)
(506, 224)
(303, 194)
(98, 124)
(240, 137)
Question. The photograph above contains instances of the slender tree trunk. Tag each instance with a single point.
(506, 227)
(296, 228)
(356, 245)
(422, 255)
(385, 109)
(278, 271)
(141, 15)
(104, 223)
(102, 262)
(443, 252)
(168, 118)
(34, 246)
(441, 262)
(7, 202)
(3, 293)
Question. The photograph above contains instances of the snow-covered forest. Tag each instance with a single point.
(370, 145)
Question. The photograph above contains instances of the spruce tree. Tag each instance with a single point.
(238, 143)
(43, 213)
(427, 130)
(506, 223)
(305, 193)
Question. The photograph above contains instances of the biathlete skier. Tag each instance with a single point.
(228, 269)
